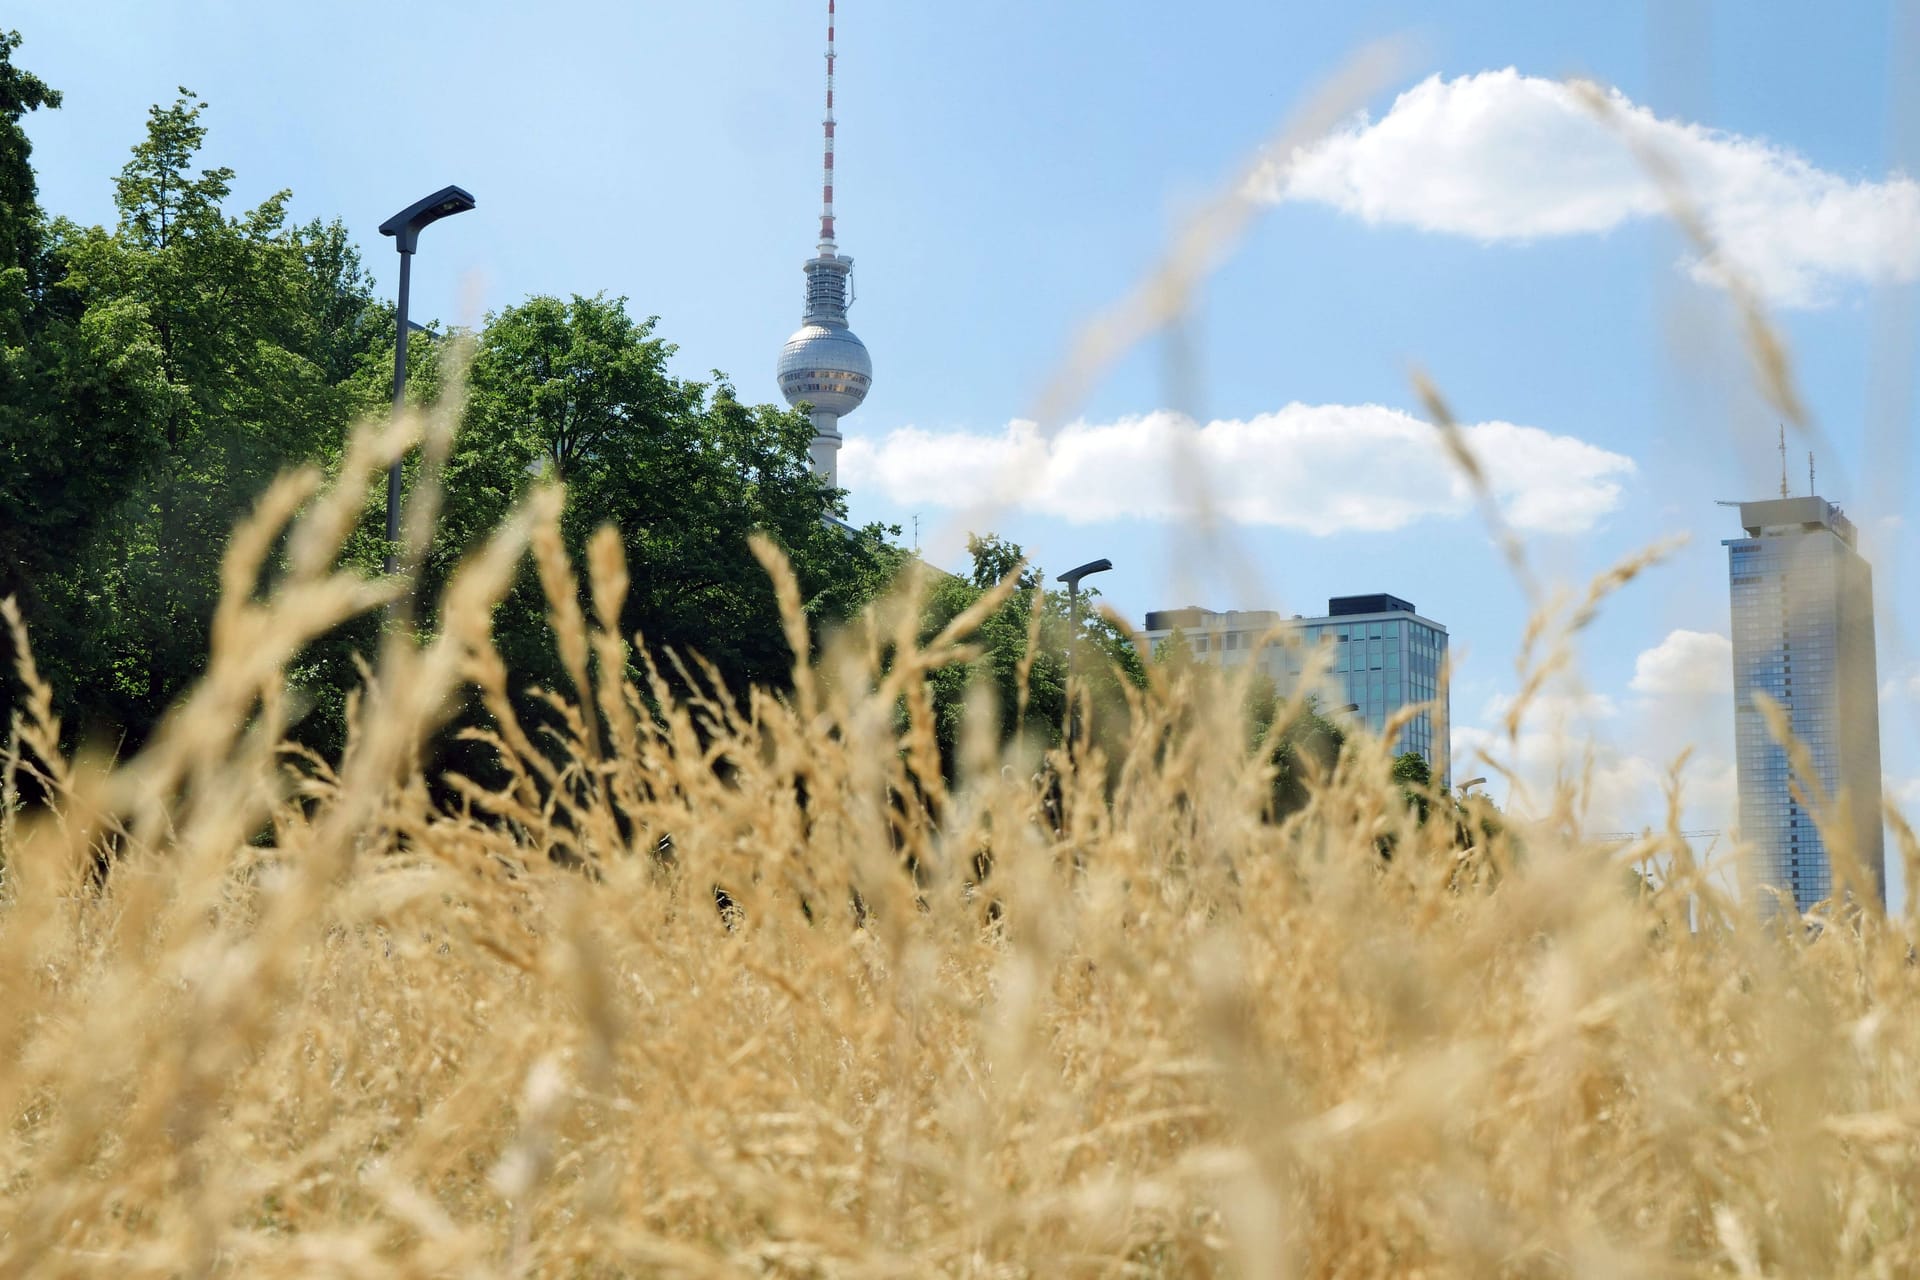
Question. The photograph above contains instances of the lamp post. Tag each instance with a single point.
(1072, 578)
(1468, 785)
(404, 227)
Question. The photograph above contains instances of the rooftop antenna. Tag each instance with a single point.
(1783, 443)
(1810, 490)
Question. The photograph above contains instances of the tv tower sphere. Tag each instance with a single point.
(826, 366)
(823, 365)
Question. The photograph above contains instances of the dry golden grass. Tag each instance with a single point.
(311, 1023)
(1165, 1039)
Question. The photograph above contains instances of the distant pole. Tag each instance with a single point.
(399, 402)
(1073, 648)
(1072, 578)
(405, 227)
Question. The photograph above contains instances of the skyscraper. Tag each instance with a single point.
(1385, 657)
(823, 364)
(1803, 634)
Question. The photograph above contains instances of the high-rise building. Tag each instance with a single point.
(1385, 656)
(823, 364)
(1803, 634)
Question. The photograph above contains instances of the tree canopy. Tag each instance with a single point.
(578, 391)
(174, 363)
(157, 373)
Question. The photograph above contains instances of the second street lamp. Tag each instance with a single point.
(1072, 578)
(405, 227)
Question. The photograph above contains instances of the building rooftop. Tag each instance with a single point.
(1773, 517)
(1193, 616)
(1344, 606)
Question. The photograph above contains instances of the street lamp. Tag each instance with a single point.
(1468, 784)
(405, 227)
(1072, 578)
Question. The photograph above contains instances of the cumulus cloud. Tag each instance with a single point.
(1621, 750)
(1905, 792)
(1559, 708)
(1503, 156)
(1319, 469)
(1897, 687)
(1686, 663)
(1621, 788)
(1621, 774)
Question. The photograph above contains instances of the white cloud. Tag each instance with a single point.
(1621, 789)
(1503, 156)
(1559, 708)
(1319, 469)
(1897, 687)
(1686, 663)
(1620, 750)
(1899, 684)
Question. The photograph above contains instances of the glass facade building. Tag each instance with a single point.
(1802, 602)
(1384, 656)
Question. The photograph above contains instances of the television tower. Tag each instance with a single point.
(823, 365)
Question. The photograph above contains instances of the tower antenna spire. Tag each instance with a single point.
(823, 365)
(1783, 441)
(826, 168)
(1810, 489)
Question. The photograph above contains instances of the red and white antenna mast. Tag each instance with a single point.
(826, 182)
(824, 366)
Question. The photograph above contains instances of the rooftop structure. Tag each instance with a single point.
(823, 365)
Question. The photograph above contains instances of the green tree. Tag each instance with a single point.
(1306, 742)
(24, 355)
(1107, 655)
(22, 229)
(579, 391)
(1308, 734)
(1415, 776)
(182, 358)
(994, 558)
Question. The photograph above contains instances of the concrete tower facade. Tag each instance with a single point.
(823, 365)
(1802, 598)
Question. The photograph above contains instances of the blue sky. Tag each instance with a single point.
(1006, 170)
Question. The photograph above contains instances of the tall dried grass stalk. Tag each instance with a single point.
(263, 1013)
(311, 1022)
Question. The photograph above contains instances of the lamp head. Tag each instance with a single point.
(1072, 576)
(405, 225)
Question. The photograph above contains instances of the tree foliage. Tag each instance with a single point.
(22, 266)
(1028, 634)
(1303, 744)
(578, 392)
(182, 358)
(157, 373)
